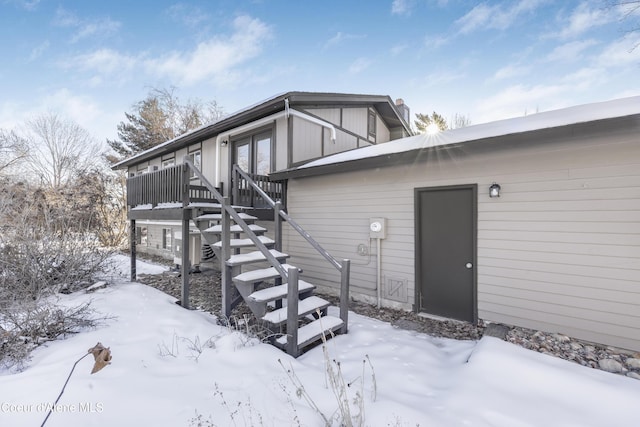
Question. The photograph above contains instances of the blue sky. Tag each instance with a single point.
(91, 60)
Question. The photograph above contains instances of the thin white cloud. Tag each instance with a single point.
(496, 17)
(516, 101)
(340, 38)
(570, 51)
(104, 65)
(586, 78)
(510, 71)
(215, 57)
(435, 42)
(398, 49)
(37, 51)
(25, 4)
(402, 7)
(84, 28)
(359, 65)
(599, 71)
(621, 52)
(440, 78)
(583, 18)
(191, 16)
(80, 109)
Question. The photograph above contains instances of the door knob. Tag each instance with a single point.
(468, 265)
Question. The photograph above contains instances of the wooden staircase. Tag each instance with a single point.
(260, 285)
(253, 266)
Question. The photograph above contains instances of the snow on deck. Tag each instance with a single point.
(217, 216)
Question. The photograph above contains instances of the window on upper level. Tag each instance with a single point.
(196, 159)
(371, 123)
(253, 154)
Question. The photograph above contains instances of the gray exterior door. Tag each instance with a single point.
(446, 251)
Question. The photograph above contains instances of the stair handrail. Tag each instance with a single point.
(288, 219)
(238, 220)
(343, 268)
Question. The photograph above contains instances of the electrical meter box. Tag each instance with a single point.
(377, 228)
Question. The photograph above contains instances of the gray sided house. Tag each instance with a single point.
(532, 221)
(212, 188)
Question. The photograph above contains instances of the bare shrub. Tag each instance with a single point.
(28, 325)
(43, 252)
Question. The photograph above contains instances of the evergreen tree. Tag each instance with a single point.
(158, 118)
(423, 121)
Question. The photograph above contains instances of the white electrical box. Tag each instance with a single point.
(377, 228)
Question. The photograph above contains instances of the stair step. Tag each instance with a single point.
(314, 331)
(245, 243)
(278, 292)
(255, 256)
(208, 205)
(217, 229)
(261, 275)
(306, 306)
(218, 217)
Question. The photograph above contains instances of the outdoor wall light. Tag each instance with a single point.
(224, 143)
(494, 190)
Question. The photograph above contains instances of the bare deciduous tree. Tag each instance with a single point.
(12, 150)
(57, 149)
(459, 121)
(629, 13)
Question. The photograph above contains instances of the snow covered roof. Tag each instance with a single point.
(546, 120)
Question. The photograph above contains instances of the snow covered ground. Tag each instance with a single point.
(170, 365)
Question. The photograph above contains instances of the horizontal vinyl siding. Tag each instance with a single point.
(317, 209)
(558, 251)
(565, 253)
(154, 239)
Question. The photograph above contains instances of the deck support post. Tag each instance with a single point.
(186, 264)
(292, 312)
(277, 220)
(226, 278)
(132, 246)
(344, 295)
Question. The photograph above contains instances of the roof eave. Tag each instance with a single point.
(255, 112)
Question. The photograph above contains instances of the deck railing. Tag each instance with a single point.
(163, 186)
(167, 185)
(244, 193)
